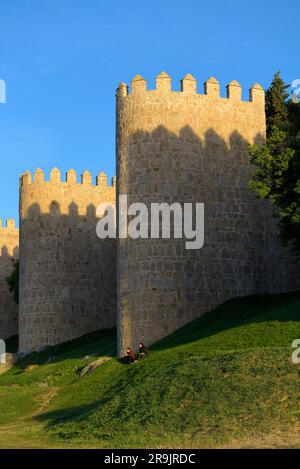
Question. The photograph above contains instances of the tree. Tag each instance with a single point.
(276, 107)
(277, 162)
(13, 281)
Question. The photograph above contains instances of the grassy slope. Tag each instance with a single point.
(225, 379)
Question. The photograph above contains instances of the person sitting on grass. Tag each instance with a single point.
(142, 351)
(130, 356)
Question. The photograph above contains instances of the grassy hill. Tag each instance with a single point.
(224, 380)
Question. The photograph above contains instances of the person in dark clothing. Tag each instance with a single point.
(142, 351)
(130, 356)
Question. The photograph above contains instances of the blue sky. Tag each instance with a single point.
(63, 59)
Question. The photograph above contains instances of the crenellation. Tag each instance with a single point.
(189, 89)
(70, 179)
(224, 115)
(9, 228)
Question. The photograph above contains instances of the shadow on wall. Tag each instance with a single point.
(67, 276)
(5, 256)
(186, 152)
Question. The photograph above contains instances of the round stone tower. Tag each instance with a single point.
(67, 274)
(9, 252)
(185, 147)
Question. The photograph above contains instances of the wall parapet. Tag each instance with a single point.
(9, 226)
(38, 178)
(189, 87)
(68, 197)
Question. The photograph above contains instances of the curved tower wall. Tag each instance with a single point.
(67, 274)
(181, 146)
(9, 252)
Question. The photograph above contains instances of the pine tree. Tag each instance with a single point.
(276, 104)
(277, 163)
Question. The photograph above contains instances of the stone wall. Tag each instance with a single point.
(67, 274)
(9, 251)
(189, 147)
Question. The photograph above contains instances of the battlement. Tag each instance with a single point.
(38, 178)
(68, 197)
(9, 227)
(189, 88)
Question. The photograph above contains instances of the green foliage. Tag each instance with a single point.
(277, 162)
(226, 377)
(276, 109)
(13, 281)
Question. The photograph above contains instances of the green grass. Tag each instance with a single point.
(224, 380)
